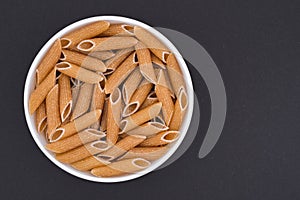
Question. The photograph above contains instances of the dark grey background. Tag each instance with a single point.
(255, 44)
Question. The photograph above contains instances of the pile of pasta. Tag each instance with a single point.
(109, 98)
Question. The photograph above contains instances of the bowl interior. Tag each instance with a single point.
(40, 140)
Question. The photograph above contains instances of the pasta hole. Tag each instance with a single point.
(165, 56)
(128, 28)
(100, 145)
(66, 112)
(57, 134)
(130, 109)
(65, 43)
(86, 45)
(115, 95)
(43, 125)
(123, 124)
(170, 136)
(63, 65)
(141, 163)
(183, 100)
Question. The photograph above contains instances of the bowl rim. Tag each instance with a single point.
(84, 175)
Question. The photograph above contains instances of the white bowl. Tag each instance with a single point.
(40, 140)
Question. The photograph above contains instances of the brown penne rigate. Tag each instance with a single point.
(52, 110)
(79, 73)
(106, 44)
(130, 85)
(83, 60)
(120, 74)
(83, 100)
(164, 96)
(82, 152)
(150, 99)
(157, 61)
(113, 116)
(48, 62)
(65, 97)
(103, 122)
(118, 30)
(121, 167)
(122, 147)
(69, 143)
(41, 118)
(140, 117)
(41, 91)
(89, 163)
(163, 138)
(75, 126)
(98, 99)
(180, 109)
(91, 30)
(148, 153)
(148, 129)
(145, 62)
(102, 55)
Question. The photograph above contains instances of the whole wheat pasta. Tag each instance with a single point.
(164, 96)
(118, 30)
(52, 110)
(75, 92)
(41, 91)
(41, 118)
(65, 97)
(140, 117)
(91, 30)
(148, 153)
(102, 55)
(79, 73)
(83, 60)
(48, 62)
(148, 129)
(75, 126)
(175, 74)
(150, 99)
(98, 99)
(156, 47)
(163, 138)
(83, 100)
(137, 98)
(180, 109)
(103, 122)
(121, 167)
(113, 63)
(145, 62)
(120, 73)
(69, 143)
(157, 61)
(130, 85)
(122, 147)
(106, 44)
(113, 116)
(89, 163)
(82, 152)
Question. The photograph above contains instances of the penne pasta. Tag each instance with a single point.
(89, 163)
(137, 98)
(180, 109)
(98, 99)
(75, 126)
(83, 60)
(75, 92)
(175, 74)
(82, 152)
(102, 55)
(148, 153)
(157, 61)
(118, 30)
(145, 62)
(122, 147)
(41, 91)
(48, 62)
(150, 99)
(140, 117)
(41, 118)
(113, 63)
(113, 117)
(148, 129)
(103, 122)
(79, 73)
(52, 110)
(106, 43)
(156, 47)
(130, 85)
(121, 167)
(120, 74)
(164, 96)
(69, 143)
(65, 97)
(160, 139)
(91, 30)
(83, 100)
